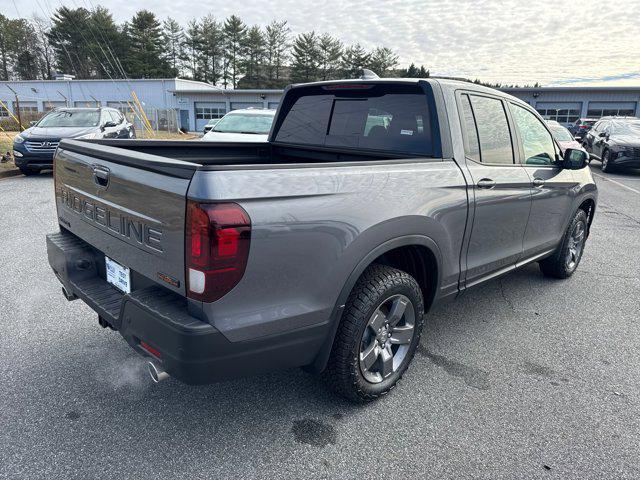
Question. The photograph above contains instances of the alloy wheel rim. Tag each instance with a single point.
(576, 243)
(386, 338)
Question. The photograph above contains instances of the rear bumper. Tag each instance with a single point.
(192, 350)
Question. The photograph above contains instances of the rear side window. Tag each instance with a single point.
(471, 142)
(389, 118)
(493, 130)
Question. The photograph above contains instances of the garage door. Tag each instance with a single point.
(239, 105)
(565, 113)
(607, 109)
(206, 111)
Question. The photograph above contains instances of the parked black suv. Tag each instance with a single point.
(33, 148)
(615, 141)
(581, 126)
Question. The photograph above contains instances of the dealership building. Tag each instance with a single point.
(192, 104)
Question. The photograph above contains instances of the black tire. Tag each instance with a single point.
(29, 171)
(558, 264)
(607, 166)
(377, 285)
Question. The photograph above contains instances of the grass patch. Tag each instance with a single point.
(165, 135)
(6, 145)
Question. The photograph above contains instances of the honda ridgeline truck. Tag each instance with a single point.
(324, 247)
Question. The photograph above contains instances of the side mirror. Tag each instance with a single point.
(574, 159)
(32, 123)
(602, 134)
(108, 125)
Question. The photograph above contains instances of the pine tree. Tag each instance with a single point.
(173, 38)
(277, 46)
(145, 39)
(235, 32)
(382, 60)
(193, 46)
(254, 48)
(330, 51)
(304, 66)
(106, 43)
(71, 48)
(211, 49)
(354, 59)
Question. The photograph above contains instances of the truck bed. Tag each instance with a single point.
(181, 158)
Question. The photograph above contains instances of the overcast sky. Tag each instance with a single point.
(575, 42)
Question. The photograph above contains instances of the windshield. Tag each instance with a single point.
(561, 134)
(244, 123)
(626, 128)
(65, 118)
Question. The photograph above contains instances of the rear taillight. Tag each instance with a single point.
(217, 247)
(584, 127)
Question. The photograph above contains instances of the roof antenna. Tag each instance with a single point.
(368, 75)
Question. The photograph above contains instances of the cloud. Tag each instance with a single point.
(508, 41)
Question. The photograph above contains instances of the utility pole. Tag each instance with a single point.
(66, 100)
(17, 107)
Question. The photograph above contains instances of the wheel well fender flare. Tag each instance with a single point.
(403, 241)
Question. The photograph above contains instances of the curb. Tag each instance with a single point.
(10, 173)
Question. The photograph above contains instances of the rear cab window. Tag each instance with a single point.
(385, 117)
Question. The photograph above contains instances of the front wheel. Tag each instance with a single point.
(566, 258)
(377, 336)
(607, 165)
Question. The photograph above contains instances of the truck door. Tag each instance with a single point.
(551, 185)
(500, 188)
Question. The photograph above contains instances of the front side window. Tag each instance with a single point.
(537, 142)
(493, 130)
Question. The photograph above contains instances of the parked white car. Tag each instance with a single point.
(247, 125)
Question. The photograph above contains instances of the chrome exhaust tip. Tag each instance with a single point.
(157, 374)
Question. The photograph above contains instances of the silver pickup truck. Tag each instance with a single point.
(324, 247)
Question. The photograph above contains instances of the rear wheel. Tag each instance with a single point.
(377, 336)
(607, 165)
(566, 258)
(29, 171)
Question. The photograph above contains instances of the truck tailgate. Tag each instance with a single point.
(128, 205)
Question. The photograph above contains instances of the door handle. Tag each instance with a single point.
(486, 183)
(538, 182)
(101, 176)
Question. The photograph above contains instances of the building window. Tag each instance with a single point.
(563, 115)
(209, 113)
(28, 110)
(3, 112)
(610, 112)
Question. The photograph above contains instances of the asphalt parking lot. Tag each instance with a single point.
(524, 377)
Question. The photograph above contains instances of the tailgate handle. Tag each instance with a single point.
(101, 176)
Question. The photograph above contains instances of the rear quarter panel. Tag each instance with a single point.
(312, 226)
